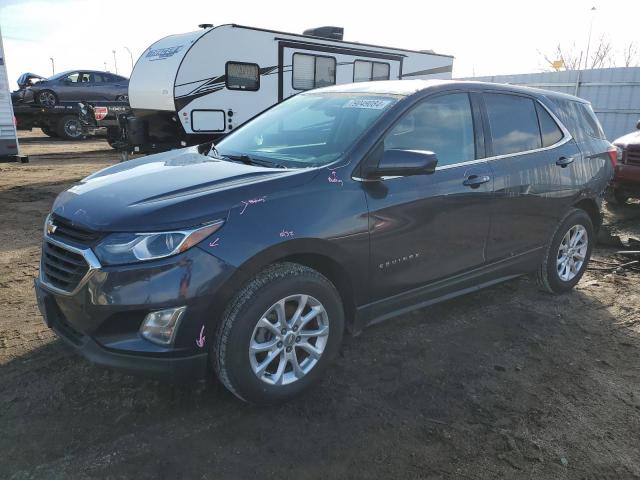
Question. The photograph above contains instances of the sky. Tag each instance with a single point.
(486, 37)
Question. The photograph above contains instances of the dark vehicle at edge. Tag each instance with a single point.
(626, 182)
(72, 85)
(334, 209)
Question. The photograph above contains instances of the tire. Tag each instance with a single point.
(70, 128)
(47, 98)
(620, 197)
(113, 137)
(49, 131)
(235, 364)
(552, 276)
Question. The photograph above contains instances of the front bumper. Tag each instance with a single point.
(101, 319)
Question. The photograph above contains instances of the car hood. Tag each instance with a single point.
(25, 77)
(633, 137)
(170, 190)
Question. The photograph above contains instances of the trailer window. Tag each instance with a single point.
(366, 71)
(243, 76)
(313, 71)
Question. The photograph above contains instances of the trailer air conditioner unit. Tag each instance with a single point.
(332, 33)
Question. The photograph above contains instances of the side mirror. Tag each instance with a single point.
(638, 125)
(404, 163)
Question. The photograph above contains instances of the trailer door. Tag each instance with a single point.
(305, 66)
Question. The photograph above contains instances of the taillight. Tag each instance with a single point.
(613, 155)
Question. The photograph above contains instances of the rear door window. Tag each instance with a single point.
(549, 129)
(514, 123)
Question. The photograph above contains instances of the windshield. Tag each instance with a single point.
(59, 75)
(308, 130)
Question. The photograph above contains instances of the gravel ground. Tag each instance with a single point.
(508, 382)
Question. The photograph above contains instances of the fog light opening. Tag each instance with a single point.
(160, 327)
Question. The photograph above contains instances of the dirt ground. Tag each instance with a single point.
(508, 382)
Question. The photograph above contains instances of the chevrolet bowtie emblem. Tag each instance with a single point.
(51, 228)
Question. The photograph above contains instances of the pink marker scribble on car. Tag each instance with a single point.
(253, 201)
(333, 179)
(215, 242)
(286, 233)
(200, 340)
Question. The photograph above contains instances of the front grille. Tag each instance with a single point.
(632, 155)
(62, 268)
(65, 230)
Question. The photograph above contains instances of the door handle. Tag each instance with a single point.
(564, 161)
(474, 181)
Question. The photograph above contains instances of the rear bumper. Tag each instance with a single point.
(626, 174)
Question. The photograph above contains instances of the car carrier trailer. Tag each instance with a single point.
(195, 87)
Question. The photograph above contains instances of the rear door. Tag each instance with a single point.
(428, 227)
(534, 162)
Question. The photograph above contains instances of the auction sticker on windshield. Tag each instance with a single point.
(367, 103)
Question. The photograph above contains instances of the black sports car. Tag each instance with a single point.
(71, 86)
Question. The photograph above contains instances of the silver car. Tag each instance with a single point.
(76, 85)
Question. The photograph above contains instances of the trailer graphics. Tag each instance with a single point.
(195, 87)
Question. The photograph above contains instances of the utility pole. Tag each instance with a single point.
(115, 63)
(130, 56)
(105, 67)
(586, 59)
(53, 66)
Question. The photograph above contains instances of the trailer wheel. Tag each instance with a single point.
(70, 128)
(48, 131)
(47, 98)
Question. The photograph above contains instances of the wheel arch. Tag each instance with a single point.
(320, 255)
(590, 206)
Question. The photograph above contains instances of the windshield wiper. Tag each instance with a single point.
(247, 160)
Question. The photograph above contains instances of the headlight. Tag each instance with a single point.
(121, 248)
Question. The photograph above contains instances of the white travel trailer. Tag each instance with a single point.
(8, 136)
(198, 86)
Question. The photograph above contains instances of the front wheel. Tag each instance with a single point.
(278, 334)
(47, 98)
(70, 128)
(568, 253)
(48, 131)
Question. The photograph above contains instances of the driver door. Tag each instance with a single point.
(429, 227)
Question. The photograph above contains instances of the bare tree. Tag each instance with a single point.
(568, 57)
(630, 55)
(603, 55)
(571, 58)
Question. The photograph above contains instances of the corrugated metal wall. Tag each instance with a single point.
(614, 93)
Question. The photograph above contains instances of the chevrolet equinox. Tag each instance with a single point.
(334, 209)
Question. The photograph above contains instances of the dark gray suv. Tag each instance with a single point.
(336, 208)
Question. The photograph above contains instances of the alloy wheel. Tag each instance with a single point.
(47, 98)
(289, 339)
(73, 128)
(572, 253)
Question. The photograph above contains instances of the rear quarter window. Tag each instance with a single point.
(549, 129)
(579, 119)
